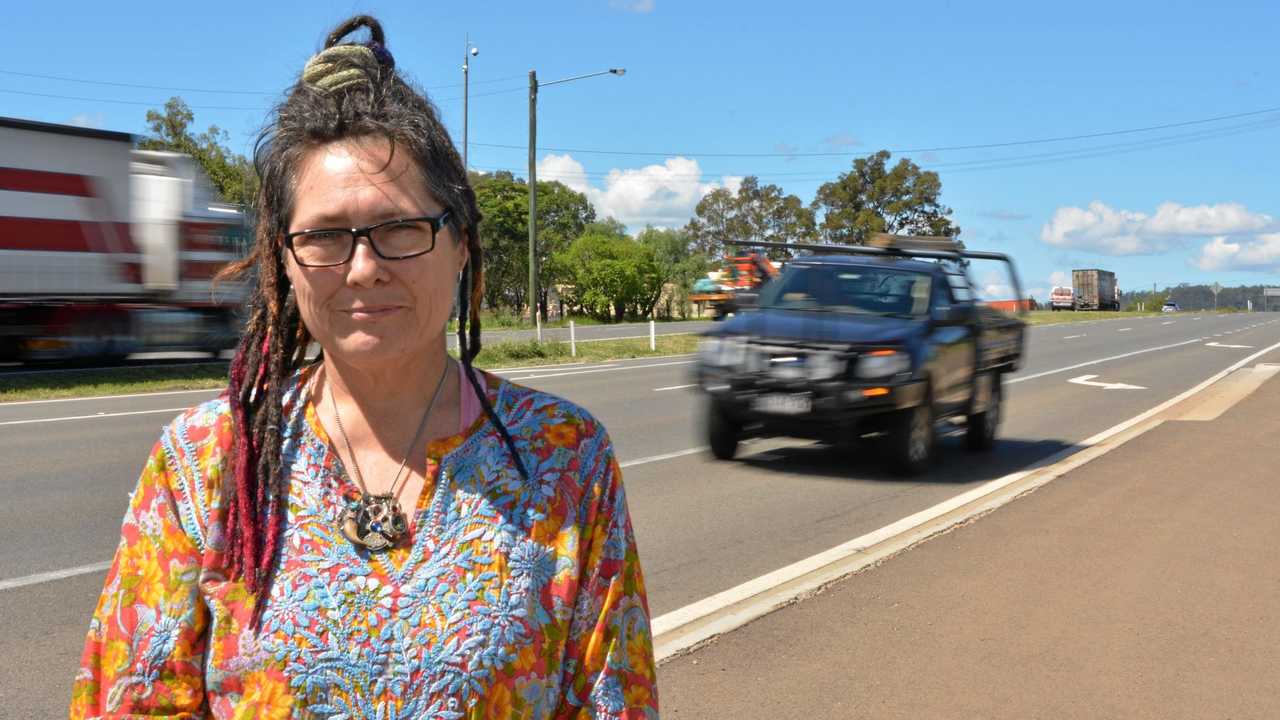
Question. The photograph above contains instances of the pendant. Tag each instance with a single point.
(374, 522)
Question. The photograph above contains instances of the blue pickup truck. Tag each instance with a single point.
(863, 342)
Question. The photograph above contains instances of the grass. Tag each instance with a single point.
(502, 321)
(111, 381)
(212, 376)
(1048, 317)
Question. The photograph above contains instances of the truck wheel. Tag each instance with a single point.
(913, 439)
(980, 433)
(723, 433)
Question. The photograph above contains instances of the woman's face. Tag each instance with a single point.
(370, 312)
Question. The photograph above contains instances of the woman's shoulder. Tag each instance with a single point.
(195, 446)
(530, 412)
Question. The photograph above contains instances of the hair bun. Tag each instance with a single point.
(342, 65)
(376, 36)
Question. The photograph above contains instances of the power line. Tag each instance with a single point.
(975, 165)
(264, 108)
(210, 90)
(899, 151)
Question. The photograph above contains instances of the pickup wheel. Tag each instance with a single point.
(913, 438)
(723, 434)
(980, 433)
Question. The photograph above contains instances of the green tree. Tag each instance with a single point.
(232, 175)
(677, 267)
(504, 234)
(614, 276)
(752, 213)
(873, 198)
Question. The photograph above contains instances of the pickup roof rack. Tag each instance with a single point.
(888, 245)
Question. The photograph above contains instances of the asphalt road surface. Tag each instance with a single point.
(702, 526)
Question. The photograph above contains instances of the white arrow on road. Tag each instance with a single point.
(1220, 345)
(1088, 380)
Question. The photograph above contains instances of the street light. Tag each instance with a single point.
(533, 175)
(469, 51)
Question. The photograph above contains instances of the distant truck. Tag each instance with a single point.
(1062, 298)
(735, 286)
(1095, 290)
(106, 250)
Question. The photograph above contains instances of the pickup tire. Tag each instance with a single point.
(981, 427)
(723, 434)
(913, 438)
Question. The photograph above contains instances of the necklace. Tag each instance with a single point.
(375, 521)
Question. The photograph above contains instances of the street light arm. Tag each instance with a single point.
(610, 71)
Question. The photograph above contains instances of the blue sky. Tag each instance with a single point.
(718, 90)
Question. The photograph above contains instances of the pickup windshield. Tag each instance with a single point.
(851, 289)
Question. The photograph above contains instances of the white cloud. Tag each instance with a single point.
(1059, 278)
(87, 120)
(635, 6)
(662, 195)
(1102, 229)
(1259, 254)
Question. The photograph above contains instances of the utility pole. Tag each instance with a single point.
(468, 52)
(533, 174)
(533, 195)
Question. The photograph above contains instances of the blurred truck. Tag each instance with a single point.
(1095, 290)
(106, 250)
(736, 285)
(1062, 298)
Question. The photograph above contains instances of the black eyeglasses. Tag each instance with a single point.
(398, 239)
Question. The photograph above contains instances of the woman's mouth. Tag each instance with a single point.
(372, 312)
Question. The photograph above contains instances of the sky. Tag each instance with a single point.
(1175, 182)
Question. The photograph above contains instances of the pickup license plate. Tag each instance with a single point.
(783, 404)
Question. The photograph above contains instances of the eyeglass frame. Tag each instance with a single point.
(436, 222)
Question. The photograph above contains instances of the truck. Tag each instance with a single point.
(853, 342)
(1095, 290)
(107, 250)
(735, 285)
(1062, 298)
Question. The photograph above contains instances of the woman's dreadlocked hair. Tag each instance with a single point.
(348, 90)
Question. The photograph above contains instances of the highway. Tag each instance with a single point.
(702, 526)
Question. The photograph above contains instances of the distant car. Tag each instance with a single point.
(1170, 307)
(1062, 298)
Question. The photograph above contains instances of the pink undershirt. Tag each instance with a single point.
(469, 406)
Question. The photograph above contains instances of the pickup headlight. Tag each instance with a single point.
(825, 365)
(882, 363)
(722, 351)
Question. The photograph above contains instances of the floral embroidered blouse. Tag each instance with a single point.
(511, 599)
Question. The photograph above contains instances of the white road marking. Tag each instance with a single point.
(697, 622)
(1088, 380)
(1124, 329)
(660, 458)
(675, 387)
(539, 376)
(1220, 345)
(1077, 366)
(45, 577)
(1169, 323)
(95, 416)
(1073, 337)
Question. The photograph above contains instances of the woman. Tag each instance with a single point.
(462, 551)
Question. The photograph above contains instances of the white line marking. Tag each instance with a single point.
(45, 577)
(612, 369)
(1124, 329)
(697, 622)
(1088, 380)
(1073, 337)
(1069, 368)
(1220, 345)
(95, 416)
(111, 397)
(675, 387)
(1168, 323)
(664, 456)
